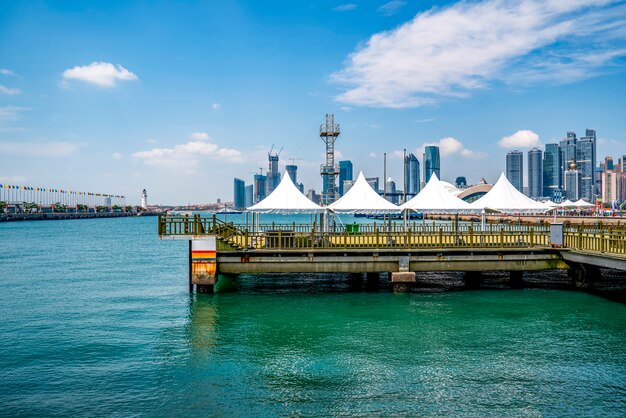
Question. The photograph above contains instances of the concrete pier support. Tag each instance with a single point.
(516, 279)
(583, 275)
(472, 279)
(202, 265)
(402, 280)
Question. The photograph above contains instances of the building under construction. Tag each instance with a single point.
(329, 171)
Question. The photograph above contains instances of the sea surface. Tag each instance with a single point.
(95, 319)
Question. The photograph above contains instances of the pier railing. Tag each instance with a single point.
(391, 235)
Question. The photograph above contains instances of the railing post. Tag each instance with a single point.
(376, 231)
(247, 241)
(313, 237)
(345, 238)
(187, 224)
(579, 244)
(471, 236)
(532, 236)
(501, 237)
(440, 237)
(280, 239)
(602, 244)
(408, 238)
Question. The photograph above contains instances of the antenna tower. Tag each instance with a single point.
(329, 171)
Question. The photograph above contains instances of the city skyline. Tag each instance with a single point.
(121, 105)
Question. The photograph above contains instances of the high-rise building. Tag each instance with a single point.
(314, 197)
(567, 147)
(345, 173)
(535, 173)
(608, 163)
(273, 175)
(249, 195)
(551, 170)
(515, 169)
(460, 182)
(239, 194)
(292, 170)
(621, 164)
(411, 175)
(347, 185)
(373, 182)
(572, 183)
(260, 187)
(586, 162)
(431, 162)
(390, 190)
(609, 186)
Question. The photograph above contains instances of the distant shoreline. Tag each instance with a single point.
(13, 217)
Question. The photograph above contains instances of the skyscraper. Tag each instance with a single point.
(273, 175)
(586, 162)
(535, 173)
(239, 194)
(412, 175)
(515, 169)
(551, 170)
(260, 187)
(567, 147)
(373, 182)
(345, 173)
(292, 170)
(572, 183)
(249, 195)
(431, 162)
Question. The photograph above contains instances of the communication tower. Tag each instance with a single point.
(329, 171)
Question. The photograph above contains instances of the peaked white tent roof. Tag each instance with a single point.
(566, 204)
(361, 198)
(286, 198)
(503, 197)
(580, 203)
(435, 197)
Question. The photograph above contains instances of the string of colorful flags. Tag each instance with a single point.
(10, 193)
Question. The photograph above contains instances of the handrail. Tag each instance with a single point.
(286, 236)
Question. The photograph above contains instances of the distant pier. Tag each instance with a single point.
(10, 217)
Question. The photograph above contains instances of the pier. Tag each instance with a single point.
(399, 249)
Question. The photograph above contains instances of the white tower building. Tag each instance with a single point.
(144, 199)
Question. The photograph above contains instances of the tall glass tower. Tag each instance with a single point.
(568, 153)
(431, 162)
(412, 175)
(551, 170)
(292, 170)
(345, 173)
(586, 163)
(239, 194)
(535, 173)
(515, 169)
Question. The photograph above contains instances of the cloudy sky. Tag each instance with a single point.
(180, 97)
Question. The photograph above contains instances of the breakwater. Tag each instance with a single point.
(9, 217)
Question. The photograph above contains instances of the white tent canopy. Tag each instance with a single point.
(435, 197)
(583, 204)
(567, 204)
(503, 197)
(286, 199)
(361, 198)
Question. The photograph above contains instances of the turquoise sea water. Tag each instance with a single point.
(95, 320)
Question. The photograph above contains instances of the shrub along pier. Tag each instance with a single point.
(220, 248)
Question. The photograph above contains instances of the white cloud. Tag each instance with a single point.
(392, 7)
(373, 155)
(186, 157)
(452, 51)
(520, 139)
(201, 136)
(216, 106)
(116, 156)
(38, 149)
(425, 120)
(450, 146)
(345, 7)
(5, 71)
(103, 74)
(152, 141)
(12, 112)
(12, 179)
(9, 91)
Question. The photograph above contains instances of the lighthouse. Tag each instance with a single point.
(144, 199)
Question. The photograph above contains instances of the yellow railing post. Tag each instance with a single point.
(532, 236)
(440, 237)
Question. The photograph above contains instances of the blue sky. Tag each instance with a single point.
(180, 97)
